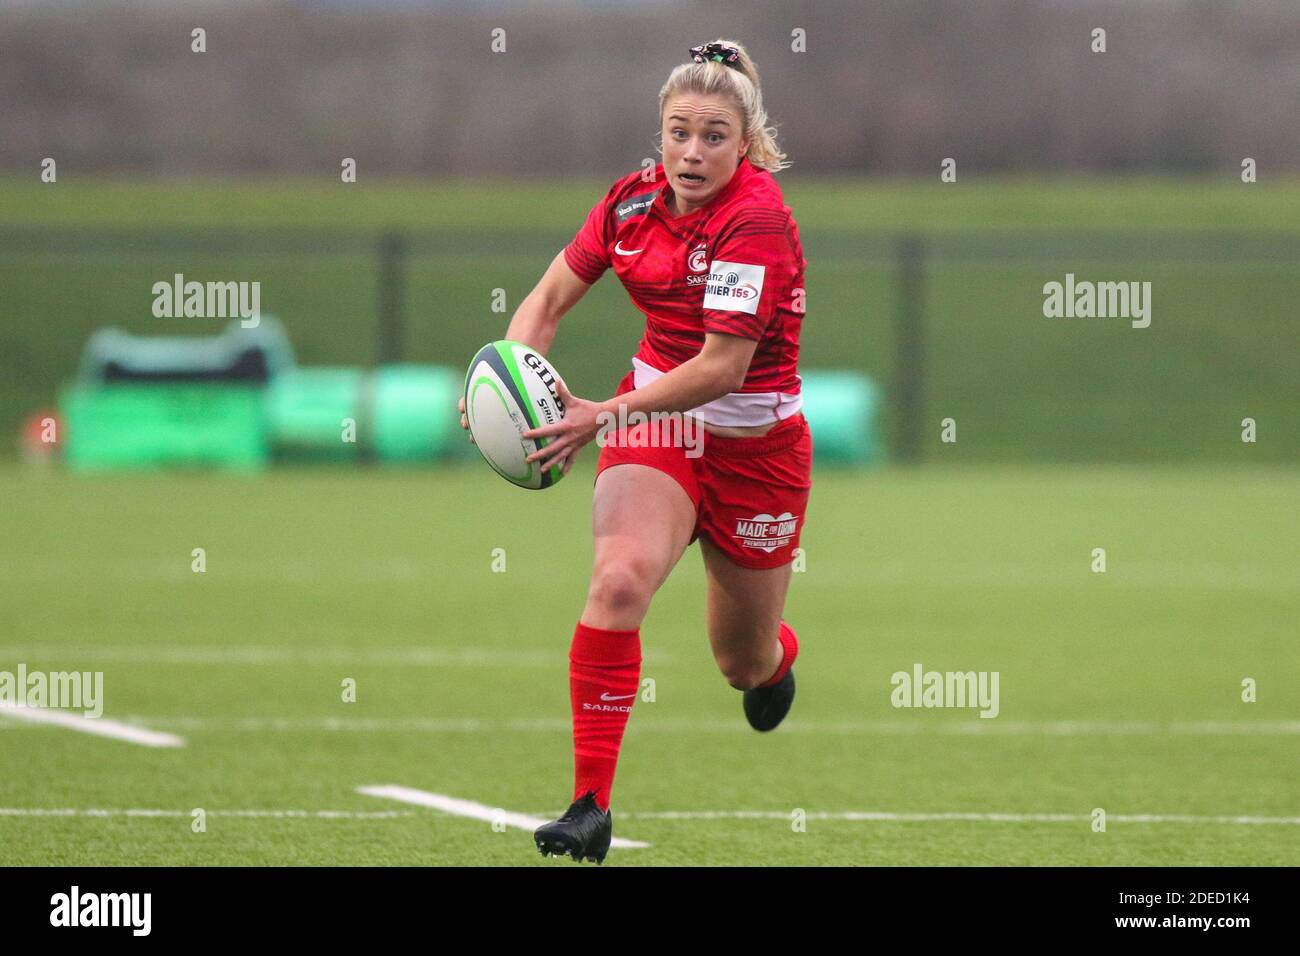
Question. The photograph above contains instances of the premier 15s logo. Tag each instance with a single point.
(730, 285)
(734, 286)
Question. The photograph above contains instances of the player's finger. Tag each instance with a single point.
(554, 448)
(544, 431)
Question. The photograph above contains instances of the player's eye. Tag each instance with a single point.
(714, 138)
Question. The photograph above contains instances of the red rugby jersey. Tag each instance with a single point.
(734, 266)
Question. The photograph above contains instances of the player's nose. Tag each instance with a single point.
(692, 152)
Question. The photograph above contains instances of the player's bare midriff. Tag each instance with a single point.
(739, 431)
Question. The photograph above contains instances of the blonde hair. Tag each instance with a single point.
(739, 84)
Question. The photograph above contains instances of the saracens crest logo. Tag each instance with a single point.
(698, 262)
(766, 532)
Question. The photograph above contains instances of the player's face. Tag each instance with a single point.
(702, 143)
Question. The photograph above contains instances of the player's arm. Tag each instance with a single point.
(720, 368)
(564, 283)
(570, 275)
(538, 316)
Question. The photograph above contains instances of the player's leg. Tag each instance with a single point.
(753, 504)
(754, 647)
(642, 521)
(745, 609)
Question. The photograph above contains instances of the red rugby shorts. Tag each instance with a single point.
(750, 494)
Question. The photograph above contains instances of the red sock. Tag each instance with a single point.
(789, 651)
(604, 677)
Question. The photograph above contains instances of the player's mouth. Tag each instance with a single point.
(690, 179)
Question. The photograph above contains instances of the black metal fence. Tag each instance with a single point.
(951, 324)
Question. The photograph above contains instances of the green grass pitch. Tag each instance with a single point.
(1119, 690)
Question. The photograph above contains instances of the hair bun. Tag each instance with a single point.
(716, 53)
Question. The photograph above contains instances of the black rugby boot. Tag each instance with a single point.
(584, 831)
(766, 707)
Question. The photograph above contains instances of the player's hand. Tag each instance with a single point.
(464, 422)
(578, 426)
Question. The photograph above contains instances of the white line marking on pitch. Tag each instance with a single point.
(262, 655)
(563, 725)
(880, 816)
(475, 811)
(454, 806)
(92, 725)
(139, 812)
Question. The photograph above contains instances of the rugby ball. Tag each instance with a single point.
(509, 389)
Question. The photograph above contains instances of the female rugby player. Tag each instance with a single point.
(709, 252)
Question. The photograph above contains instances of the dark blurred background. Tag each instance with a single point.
(884, 87)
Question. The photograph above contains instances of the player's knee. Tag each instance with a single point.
(620, 587)
(740, 673)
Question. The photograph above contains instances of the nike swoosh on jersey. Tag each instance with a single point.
(618, 247)
(608, 696)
